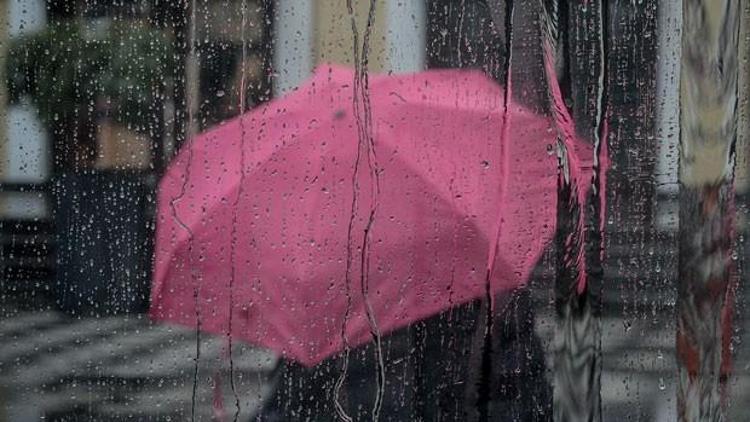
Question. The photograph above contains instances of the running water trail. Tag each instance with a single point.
(597, 208)
(190, 101)
(485, 382)
(365, 147)
(235, 210)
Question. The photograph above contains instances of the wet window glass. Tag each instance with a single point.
(428, 210)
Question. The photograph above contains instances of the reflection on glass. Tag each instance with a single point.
(373, 210)
(708, 123)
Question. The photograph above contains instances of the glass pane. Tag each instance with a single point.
(284, 210)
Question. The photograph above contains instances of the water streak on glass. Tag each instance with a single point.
(365, 151)
(235, 214)
(484, 392)
(190, 80)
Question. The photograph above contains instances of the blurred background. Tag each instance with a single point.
(101, 94)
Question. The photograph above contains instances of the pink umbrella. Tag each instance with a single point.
(272, 251)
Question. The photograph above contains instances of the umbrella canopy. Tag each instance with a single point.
(273, 227)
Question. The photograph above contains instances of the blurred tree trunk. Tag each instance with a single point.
(742, 177)
(708, 121)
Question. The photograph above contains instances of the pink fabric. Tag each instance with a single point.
(448, 179)
(580, 157)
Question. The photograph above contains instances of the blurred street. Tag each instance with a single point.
(56, 368)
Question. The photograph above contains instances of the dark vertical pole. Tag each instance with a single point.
(158, 132)
(267, 48)
(180, 21)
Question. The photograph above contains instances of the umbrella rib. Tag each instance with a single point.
(485, 381)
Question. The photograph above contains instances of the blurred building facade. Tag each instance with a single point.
(58, 223)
